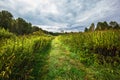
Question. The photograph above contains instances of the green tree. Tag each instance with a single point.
(105, 25)
(5, 19)
(35, 28)
(92, 27)
(102, 26)
(114, 25)
(86, 29)
(22, 27)
(98, 26)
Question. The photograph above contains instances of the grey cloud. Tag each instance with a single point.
(60, 15)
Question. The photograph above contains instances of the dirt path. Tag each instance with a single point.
(61, 66)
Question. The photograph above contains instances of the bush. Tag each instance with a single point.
(5, 34)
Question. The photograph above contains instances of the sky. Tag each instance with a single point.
(67, 15)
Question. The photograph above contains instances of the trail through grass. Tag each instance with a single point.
(61, 66)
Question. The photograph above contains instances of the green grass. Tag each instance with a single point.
(99, 51)
(76, 56)
(21, 55)
(61, 67)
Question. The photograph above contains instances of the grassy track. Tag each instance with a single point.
(61, 66)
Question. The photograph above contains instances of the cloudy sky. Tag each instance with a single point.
(67, 15)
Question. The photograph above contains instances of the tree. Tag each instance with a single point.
(22, 27)
(105, 25)
(35, 28)
(86, 29)
(13, 28)
(18, 26)
(92, 27)
(114, 25)
(98, 26)
(5, 19)
(102, 26)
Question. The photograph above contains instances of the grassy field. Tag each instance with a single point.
(61, 66)
(73, 56)
(22, 57)
(98, 51)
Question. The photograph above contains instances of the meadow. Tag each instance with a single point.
(19, 55)
(99, 51)
(72, 56)
(28, 52)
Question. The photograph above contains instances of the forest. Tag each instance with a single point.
(28, 52)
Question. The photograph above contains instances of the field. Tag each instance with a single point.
(98, 51)
(21, 57)
(72, 56)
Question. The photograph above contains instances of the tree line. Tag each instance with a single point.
(103, 26)
(18, 26)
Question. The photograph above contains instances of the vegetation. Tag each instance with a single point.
(19, 55)
(18, 26)
(29, 53)
(98, 49)
(5, 34)
(113, 25)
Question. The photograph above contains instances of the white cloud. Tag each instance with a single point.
(99, 11)
(56, 15)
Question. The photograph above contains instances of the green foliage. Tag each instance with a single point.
(98, 48)
(39, 33)
(102, 26)
(105, 43)
(18, 56)
(113, 25)
(5, 34)
(86, 30)
(5, 19)
(92, 27)
(18, 26)
(106, 73)
(22, 27)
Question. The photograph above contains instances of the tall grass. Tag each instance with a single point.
(5, 34)
(99, 48)
(18, 55)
